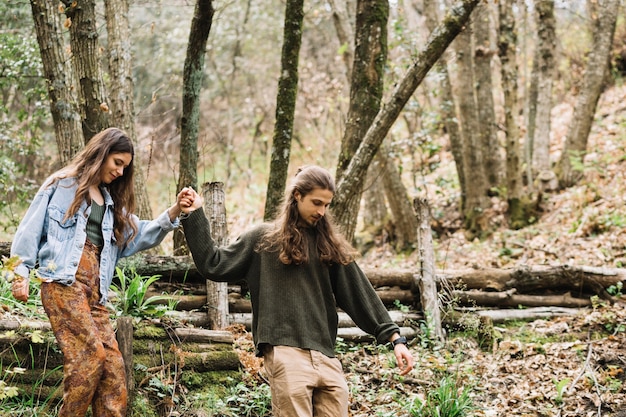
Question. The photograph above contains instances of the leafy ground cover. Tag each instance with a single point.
(568, 366)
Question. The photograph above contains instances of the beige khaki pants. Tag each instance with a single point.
(305, 383)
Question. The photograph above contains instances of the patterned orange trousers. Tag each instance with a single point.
(93, 367)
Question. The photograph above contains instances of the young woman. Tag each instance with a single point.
(79, 224)
(299, 270)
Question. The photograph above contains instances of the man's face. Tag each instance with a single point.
(312, 207)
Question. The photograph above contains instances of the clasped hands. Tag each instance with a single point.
(188, 200)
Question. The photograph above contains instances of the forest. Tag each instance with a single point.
(505, 117)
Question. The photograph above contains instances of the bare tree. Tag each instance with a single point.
(439, 40)
(193, 72)
(483, 56)
(405, 222)
(604, 17)
(474, 152)
(121, 90)
(366, 90)
(545, 68)
(81, 20)
(448, 106)
(341, 19)
(58, 74)
(507, 44)
(285, 106)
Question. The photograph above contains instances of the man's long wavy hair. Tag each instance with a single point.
(287, 237)
(86, 167)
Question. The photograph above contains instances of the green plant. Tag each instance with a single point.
(32, 308)
(560, 388)
(447, 400)
(131, 294)
(616, 290)
(403, 308)
(249, 401)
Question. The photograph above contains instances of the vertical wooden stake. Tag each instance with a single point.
(217, 292)
(426, 280)
(125, 342)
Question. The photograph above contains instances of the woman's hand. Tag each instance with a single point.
(20, 288)
(189, 200)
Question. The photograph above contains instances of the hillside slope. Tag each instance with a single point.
(582, 225)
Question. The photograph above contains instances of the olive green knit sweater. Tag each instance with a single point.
(292, 305)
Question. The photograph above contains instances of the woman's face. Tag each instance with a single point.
(114, 166)
(312, 207)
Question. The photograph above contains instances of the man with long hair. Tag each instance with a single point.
(298, 270)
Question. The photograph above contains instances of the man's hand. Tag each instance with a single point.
(189, 200)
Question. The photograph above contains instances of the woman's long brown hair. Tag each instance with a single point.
(86, 167)
(287, 238)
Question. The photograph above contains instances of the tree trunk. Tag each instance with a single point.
(483, 54)
(507, 44)
(86, 62)
(285, 106)
(217, 292)
(448, 106)
(404, 220)
(374, 198)
(59, 76)
(477, 186)
(436, 45)
(122, 91)
(569, 168)
(193, 74)
(366, 89)
(546, 48)
(341, 19)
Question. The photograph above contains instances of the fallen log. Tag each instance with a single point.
(200, 319)
(526, 279)
(499, 316)
(511, 299)
(238, 304)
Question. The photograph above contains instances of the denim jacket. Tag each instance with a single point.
(44, 239)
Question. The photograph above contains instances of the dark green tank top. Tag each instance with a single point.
(94, 224)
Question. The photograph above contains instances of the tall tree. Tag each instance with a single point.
(439, 40)
(366, 90)
(81, 20)
(405, 222)
(121, 91)
(448, 105)
(483, 56)
(507, 44)
(193, 73)
(603, 14)
(474, 152)
(385, 180)
(285, 106)
(545, 68)
(58, 73)
(341, 20)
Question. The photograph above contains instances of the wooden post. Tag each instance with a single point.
(125, 341)
(217, 292)
(426, 280)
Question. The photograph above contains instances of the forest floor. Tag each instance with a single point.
(568, 366)
(565, 366)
